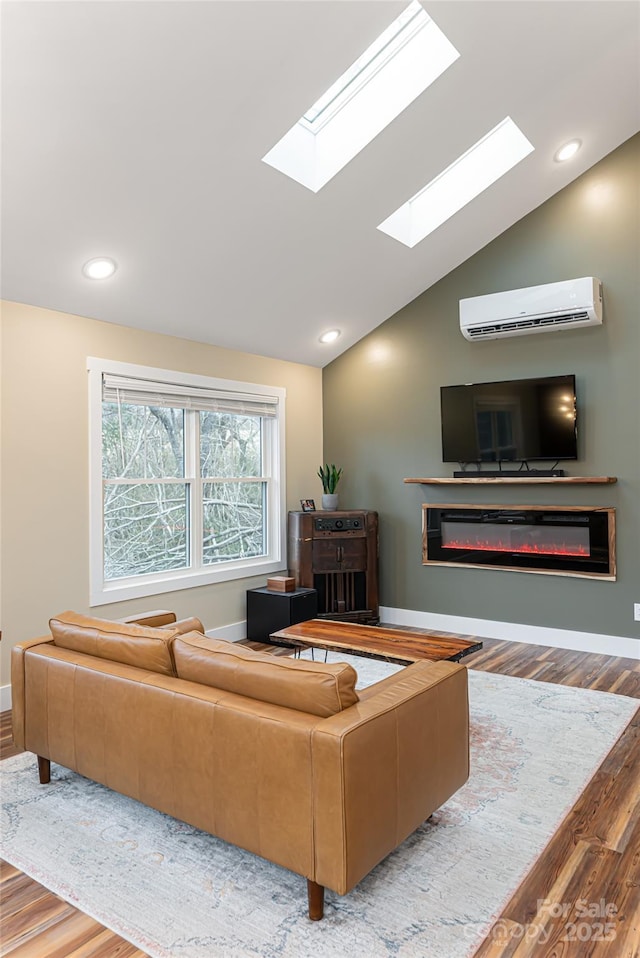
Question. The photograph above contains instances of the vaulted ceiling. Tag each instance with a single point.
(136, 130)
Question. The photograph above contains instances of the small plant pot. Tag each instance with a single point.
(329, 500)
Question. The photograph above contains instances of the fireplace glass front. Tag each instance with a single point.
(532, 538)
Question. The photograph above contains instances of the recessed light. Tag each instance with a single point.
(567, 151)
(102, 267)
(330, 336)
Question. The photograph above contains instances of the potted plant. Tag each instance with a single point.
(330, 477)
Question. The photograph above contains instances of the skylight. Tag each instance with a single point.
(365, 67)
(405, 59)
(485, 162)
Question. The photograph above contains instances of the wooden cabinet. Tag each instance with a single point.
(339, 555)
(336, 553)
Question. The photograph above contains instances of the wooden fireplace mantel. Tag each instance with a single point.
(508, 480)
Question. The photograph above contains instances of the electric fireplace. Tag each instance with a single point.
(568, 540)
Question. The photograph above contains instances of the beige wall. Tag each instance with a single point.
(45, 460)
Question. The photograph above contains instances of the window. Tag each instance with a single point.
(186, 480)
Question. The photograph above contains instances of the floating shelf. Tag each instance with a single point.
(494, 480)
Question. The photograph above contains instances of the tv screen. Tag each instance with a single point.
(521, 419)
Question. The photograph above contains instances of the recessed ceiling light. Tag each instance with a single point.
(567, 151)
(405, 59)
(468, 176)
(330, 336)
(102, 267)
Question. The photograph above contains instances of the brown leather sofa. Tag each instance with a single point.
(277, 755)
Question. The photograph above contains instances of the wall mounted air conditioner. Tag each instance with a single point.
(567, 305)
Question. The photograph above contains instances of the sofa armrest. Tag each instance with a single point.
(17, 685)
(154, 620)
(383, 766)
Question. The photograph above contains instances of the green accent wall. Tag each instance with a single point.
(382, 408)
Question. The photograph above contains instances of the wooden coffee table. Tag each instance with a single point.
(375, 642)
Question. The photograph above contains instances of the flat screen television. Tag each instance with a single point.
(523, 420)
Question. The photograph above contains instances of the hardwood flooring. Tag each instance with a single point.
(592, 861)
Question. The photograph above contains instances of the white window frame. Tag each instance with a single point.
(117, 590)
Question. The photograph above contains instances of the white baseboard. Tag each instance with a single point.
(5, 698)
(232, 633)
(513, 632)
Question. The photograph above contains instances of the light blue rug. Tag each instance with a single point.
(176, 892)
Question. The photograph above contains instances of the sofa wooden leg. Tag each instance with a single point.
(316, 900)
(44, 770)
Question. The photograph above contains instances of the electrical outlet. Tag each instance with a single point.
(636, 611)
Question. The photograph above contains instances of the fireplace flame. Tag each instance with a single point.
(528, 548)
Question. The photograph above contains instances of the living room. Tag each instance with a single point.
(373, 408)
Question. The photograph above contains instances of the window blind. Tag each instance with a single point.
(145, 392)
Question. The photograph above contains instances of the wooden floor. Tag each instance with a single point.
(594, 857)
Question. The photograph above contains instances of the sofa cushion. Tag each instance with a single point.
(317, 688)
(137, 645)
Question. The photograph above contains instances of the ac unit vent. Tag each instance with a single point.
(480, 332)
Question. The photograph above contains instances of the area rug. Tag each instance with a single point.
(176, 892)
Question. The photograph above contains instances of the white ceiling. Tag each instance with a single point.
(136, 130)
